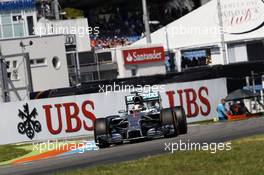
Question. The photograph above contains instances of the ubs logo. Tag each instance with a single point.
(29, 125)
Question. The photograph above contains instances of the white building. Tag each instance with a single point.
(130, 61)
(78, 48)
(199, 31)
(142, 60)
(78, 27)
(48, 62)
(17, 19)
(47, 54)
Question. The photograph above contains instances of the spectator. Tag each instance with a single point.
(194, 62)
(221, 111)
(242, 108)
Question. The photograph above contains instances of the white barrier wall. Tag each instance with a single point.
(73, 115)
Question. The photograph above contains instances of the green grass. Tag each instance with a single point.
(15, 152)
(246, 157)
(9, 152)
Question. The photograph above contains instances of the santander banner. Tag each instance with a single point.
(73, 116)
(144, 55)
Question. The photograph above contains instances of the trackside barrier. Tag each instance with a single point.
(72, 116)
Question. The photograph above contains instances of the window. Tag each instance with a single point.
(70, 40)
(9, 75)
(12, 25)
(30, 25)
(105, 57)
(18, 24)
(6, 18)
(14, 75)
(86, 58)
(7, 31)
(87, 77)
(254, 50)
(71, 59)
(195, 58)
(17, 18)
(7, 64)
(15, 64)
(134, 72)
(40, 61)
(37, 62)
(7, 25)
(18, 29)
(56, 62)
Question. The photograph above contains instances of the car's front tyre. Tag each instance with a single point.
(101, 132)
(182, 119)
(168, 119)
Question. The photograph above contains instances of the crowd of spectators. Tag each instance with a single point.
(195, 62)
(104, 43)
(117, 28)
(125, 19)
(129, 24)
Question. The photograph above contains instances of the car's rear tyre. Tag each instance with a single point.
(168, 117)
(101, 130)
(182, 119)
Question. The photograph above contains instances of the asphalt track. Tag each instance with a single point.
(211, 133)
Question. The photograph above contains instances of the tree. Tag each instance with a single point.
(72, 13)
(178, 5)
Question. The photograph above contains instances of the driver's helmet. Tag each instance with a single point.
(136, 107)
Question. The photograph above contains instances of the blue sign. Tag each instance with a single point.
(17, 5)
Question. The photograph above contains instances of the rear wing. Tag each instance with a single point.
(147, 97)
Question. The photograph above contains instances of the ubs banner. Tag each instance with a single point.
(74, 115)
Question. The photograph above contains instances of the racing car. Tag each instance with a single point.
(144, 118)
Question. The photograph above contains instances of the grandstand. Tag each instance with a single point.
(121, 22)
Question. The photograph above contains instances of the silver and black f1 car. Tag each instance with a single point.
(144, 118)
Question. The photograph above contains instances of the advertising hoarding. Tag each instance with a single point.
(73, 116)
(144, 55)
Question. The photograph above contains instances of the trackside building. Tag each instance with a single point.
(34, 58)
(229, 32)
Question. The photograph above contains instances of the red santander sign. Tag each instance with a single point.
(144, 55)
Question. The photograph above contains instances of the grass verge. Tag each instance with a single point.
(246, 157)
(9, 152)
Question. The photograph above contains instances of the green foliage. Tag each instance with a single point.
(72, 13)
(9, 152)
